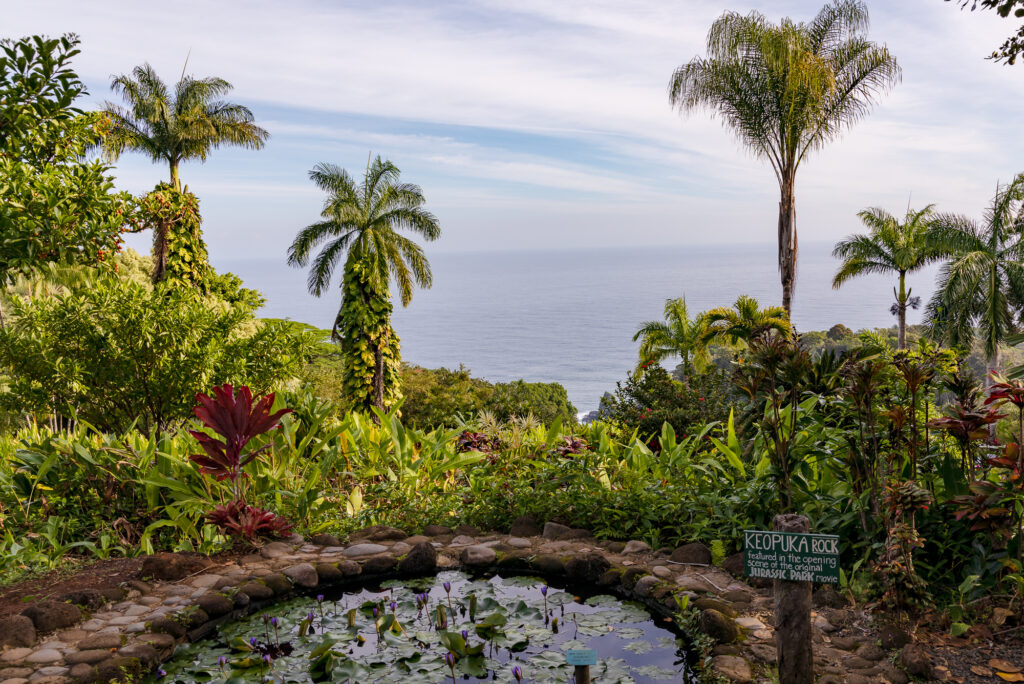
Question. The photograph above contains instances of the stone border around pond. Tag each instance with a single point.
(90, 636)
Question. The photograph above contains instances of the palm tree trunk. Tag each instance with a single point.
(175, 179)
(993, 367)
(378, 377)
(901, 303)
(787, 241)
(160, 250)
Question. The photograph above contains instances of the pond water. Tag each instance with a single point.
(402, 630)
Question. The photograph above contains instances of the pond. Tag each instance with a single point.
(450, 627)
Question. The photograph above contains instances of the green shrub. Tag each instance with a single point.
(440, 397)
(119, 353)
(651, 397)
(445, 398)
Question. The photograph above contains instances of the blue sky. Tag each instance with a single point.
(540, 124)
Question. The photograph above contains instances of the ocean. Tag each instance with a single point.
(568, 316)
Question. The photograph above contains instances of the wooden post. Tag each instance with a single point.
(582, 673)
(793, 616)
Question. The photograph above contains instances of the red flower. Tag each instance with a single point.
(700, 398)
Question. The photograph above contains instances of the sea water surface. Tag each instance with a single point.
(569, 316)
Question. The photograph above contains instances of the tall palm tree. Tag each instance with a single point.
(360, 224)
(889, 247)
(176, 126)
(744, 321)
(981, 288)
(677, 335)
(786, 90)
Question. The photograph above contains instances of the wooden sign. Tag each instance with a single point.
(791, 556)
(581, 657)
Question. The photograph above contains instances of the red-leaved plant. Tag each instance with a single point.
(232, 415)
(250, 523)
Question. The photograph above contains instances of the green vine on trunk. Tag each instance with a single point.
(371, 356)
(179, 253)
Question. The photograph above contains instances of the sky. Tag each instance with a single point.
(537, 124)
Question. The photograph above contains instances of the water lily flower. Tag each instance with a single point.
(544, 590)
(447, 587)
(449, 659)
(375, 611)
(253, 642)
(273, 621)
(465, 635)
(161, 673)
(319, 598)
(393, 606)
(517, 672)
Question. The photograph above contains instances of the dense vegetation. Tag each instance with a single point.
(146, 406)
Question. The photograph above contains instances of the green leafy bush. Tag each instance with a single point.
(121, 353)
(446, 398)
(57, 206)
(651, 397)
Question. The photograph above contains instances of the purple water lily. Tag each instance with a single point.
(517, 672)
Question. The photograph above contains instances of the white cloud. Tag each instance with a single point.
(592, 73)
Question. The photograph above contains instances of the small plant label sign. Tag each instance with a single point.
(581, 657)
(791, 556)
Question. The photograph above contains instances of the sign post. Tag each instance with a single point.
(581, 659)
(792, 558)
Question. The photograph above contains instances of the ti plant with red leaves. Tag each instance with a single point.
(239, 519)
(232, 415)
(1005, 391)
(967, 419)
(570, 446)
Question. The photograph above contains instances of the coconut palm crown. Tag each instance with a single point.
(176, 126)
(980, 290)
(786, 90)
(889, 247)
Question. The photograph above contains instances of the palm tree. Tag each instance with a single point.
(890, 247)
(361, 223)
(785, 90)
(174, 127)
(745, 321)
(981, 288)
(678, 335)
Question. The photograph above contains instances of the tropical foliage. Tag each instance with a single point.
(787, 90)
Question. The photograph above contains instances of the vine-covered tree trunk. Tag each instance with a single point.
(160, 229)
(370, 350)
(179, 253)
